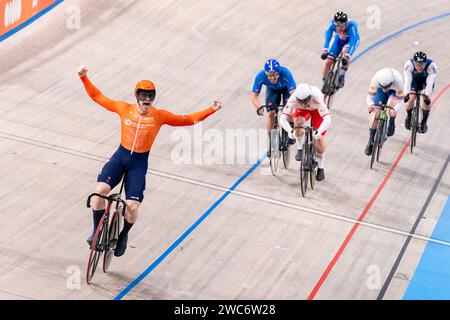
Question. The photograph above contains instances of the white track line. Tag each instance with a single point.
(335, 216)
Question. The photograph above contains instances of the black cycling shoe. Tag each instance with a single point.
(369, 149)
(391, 130)
(299, 155)
(121, 245)
(320, 174)
(423, 128)
(408, 122)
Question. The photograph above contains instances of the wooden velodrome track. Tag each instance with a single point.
(262, 242)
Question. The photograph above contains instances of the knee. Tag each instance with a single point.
(102, 188)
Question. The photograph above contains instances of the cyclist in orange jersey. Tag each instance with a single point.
(140, 124)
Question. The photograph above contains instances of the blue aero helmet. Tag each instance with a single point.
(271, 66)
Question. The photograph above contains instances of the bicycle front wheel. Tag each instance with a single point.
(274, 150)
(97, 247)
(303, 177)
(414, 127)
(375, 146)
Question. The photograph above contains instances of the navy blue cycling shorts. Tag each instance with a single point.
(277, 97)
(133, 166)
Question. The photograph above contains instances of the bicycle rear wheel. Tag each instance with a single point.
(274, 150)
(97, 247)
(113, 236)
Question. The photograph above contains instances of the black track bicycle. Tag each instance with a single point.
(278, 141)
(308, 163)
(329, 87)
(107, 232)
(381, 133)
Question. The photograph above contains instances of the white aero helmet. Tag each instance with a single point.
(303, 93)
(385, 78)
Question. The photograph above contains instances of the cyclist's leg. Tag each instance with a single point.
(343, 69)
(392, 101)
(415, 86)
(332, 54)
(108, 178)
(373, 120)
(134, 192)
(273, 98)
(300, 117)
(319, 144)
(425, 113)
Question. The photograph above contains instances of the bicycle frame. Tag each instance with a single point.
(307, 169)
(101, 242)
(381, 133)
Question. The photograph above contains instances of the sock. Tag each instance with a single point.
(97, 216)
(126, 227)
(392, 121)
(425, 114)
(372, 134)
(320, 161)
(342, 71)
(300, 142)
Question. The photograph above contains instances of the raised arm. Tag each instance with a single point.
(95, 94)
(190, 119)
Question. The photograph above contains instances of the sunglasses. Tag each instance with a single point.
(146, 95)
(340, 24)
(272, 74)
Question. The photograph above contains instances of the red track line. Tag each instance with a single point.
(366, 209)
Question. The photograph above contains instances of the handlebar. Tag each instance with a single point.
(306, 128)
(280, 107)
(111, 198)
(384, 106)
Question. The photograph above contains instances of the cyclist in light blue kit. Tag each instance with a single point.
(346, 40)
(280, 84)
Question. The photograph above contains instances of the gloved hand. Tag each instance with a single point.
(426, 99)
(260, 111)
(291, 135)
(317, 135)
(406, 98)
(324, 54)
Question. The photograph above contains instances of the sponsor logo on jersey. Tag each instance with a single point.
(128, 122)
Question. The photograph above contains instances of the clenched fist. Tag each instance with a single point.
(217, 104)
(82, 71)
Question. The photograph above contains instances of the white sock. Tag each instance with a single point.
(320, 161)
(300, 141)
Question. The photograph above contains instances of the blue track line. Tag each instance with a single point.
(227, 193)
(188, 231)
(29, 21)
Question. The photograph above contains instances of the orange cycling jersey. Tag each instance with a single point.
(139, 131)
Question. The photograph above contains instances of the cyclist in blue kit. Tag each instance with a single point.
(280, 84)
(346, 40)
